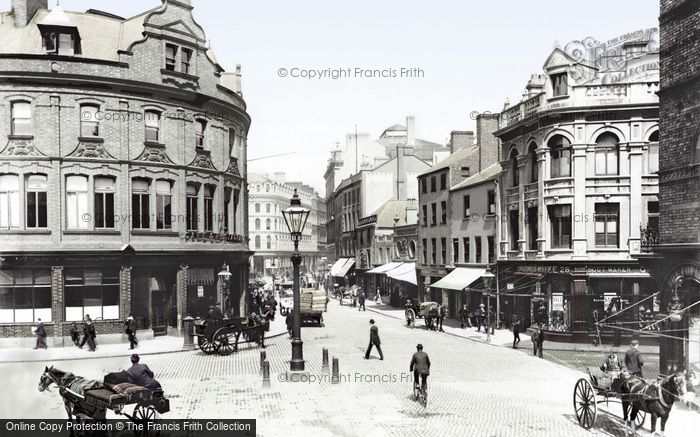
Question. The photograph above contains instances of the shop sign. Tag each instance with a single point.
(200, 291)
(544, 269)
(557, 302)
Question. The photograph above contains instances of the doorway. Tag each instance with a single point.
(159, 312)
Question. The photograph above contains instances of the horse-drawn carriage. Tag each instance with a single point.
(89, 399)
(221, 336)
(632, 392)
(429, 311)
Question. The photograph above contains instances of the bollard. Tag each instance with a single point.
(263, 358)
(266, 374)
(188, 333)
(324, 367)
(335, 378)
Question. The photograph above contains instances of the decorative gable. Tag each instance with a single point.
(558, 58)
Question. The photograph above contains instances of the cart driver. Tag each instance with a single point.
(140, 374)
(611, 364)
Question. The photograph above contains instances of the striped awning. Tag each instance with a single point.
(200, 276)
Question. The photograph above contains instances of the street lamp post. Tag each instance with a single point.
(487, 279)
(295, 217)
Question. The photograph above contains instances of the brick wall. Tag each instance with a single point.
(486, 125)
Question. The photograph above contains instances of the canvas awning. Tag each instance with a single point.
(460, 278)
(384, 268)
(342, 266)
(200, 276)
(346, 267)
(405, 272)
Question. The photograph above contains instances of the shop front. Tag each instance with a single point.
(600, 302)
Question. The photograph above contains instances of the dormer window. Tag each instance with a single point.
(185, 58)
(60, 43)
(59, 34)
(559, 84)
(170, 56)
(178, 58)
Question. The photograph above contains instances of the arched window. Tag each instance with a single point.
(257, 241)
(257, 207)
(606, 154)
(515, 172)
(560, 154)
(268, 224)
(269, 242)
(654, 152)
(532, 158)
(257, 224)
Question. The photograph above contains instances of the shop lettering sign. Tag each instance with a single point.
(544, 269)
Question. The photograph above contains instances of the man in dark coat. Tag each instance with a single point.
(130, 325)
(74, 334)
(141, 375)
(89, 334)
(420, 365)
(464, 317)
(442, 312)
(374, 341)
(516, 331)
(361, 300)
(40, 335)
(634, 360)
(538, 341)
(480, 315)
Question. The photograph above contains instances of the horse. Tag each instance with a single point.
(656, 399)
(73, 402)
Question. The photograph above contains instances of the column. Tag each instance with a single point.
(501, 221)
(125, 291)
(542, 222)
(578, 212)
(57, 308)
(579, 304)
(636, 208)
(181, 286)
(522, 210)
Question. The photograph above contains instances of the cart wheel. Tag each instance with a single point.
(144, 414)
(205, 344)
(221, 342)
(639, 421)
(585, 404)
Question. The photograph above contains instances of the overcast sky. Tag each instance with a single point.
(474, 55)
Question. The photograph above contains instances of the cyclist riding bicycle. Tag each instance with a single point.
(420, 365)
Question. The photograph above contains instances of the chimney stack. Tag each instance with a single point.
(410, 131)
(24, 10)
(460, 138)
(486, 125)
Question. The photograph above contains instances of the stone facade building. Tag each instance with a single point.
(580, 179)
(122, 170)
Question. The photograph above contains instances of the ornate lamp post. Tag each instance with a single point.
(487, 278)
(225, 277)
(295, 217)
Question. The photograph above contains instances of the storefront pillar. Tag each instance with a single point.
(181, 287)
(580, 316)
(579, 240)
(522, 216)
(57, 303)
(636, 166)
(125, 292)
(542, 222)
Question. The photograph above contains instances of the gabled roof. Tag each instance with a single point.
(56, 17)
(453, 158)
(392, 208)
(558, 58)
(488, 174)
(396, 127)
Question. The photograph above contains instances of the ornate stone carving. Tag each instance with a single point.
(402, 245)
(21, 147)
(232, 169)
(154, 153)
(203, 160)
(90, 149)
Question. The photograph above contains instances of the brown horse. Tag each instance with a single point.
(656, 399)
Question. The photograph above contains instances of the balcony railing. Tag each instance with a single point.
(212, 237)
(649, 238)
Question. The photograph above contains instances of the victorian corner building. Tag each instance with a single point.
(122, 171)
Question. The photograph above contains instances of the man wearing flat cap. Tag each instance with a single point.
(634, 360)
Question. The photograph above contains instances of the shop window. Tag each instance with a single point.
(25, 295)
(208, 208)
(9, 201)
(89, 122)
(21, 118)
(91, 292)
(140, 212)
(465, 249)
(192, 207)
(607, 224)
(104, 203)
(77, 202)
(163, 204)
(560, 154)
(607, 155)
(151, 121)
(37, 216)
(560, 218)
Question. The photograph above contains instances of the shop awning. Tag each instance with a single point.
(200, 276)
(460, 278)
(342, 266)
(405, 272)
(384, 268)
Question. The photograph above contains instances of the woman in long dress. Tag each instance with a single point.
(378, 298)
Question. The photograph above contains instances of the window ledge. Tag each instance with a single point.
(91, 139)
(20, 137)
(153, 143)
(556, 98)
(179, 74)
(26, 231)
(91, 232)
(164, 232)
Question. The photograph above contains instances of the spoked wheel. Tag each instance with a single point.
(639, 421)
(222, 345)
(205, 345)
(585, 404)
(144, 414)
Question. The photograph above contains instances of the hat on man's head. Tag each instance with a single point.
(135, 358)
(371, 321)
(482, 305)
(419, 346)
(635, 343)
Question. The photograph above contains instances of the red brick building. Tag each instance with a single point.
(122, 170)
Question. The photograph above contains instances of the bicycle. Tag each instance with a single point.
(420, 394)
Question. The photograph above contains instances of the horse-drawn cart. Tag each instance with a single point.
(588, 393)
(428, 310)
(222, 335)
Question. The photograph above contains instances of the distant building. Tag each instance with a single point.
(122, 171)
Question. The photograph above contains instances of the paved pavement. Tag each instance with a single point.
(156, 345)
(474, 388)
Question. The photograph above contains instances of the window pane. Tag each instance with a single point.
(109, 210)
(31, 210)
(139, 186)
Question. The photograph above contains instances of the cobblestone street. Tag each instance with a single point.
(475, 389)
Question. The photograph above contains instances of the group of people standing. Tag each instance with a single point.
(89, 334)
(478, 318)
